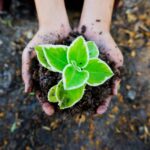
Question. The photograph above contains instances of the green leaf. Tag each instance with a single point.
(78, 52)
(52, 95)
(99, 72)
(56, 56)
(93, 49)
(73, 78)
(68, 98)
(41, 58)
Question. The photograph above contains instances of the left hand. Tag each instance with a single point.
(107, 46)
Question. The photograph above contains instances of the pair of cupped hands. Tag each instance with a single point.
(49, 35)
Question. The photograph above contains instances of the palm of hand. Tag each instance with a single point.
(108, 47)
(27, 56)
(106, 44)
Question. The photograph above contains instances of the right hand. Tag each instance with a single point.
(41, 37)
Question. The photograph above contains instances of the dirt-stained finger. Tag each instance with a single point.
(104, 106)
(27, 56)
(116, 86)
(46, 106)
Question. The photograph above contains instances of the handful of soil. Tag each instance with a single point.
(93, 96)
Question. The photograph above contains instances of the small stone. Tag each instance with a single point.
(1, 114)
(131, 17)
(120, 98)
(131, 94)
(133, 54)
(111, 116)
(141, 130)
(29, 35)
(142, 114)
(6, 65)
(128, 87)
(115, 110)
(2, 92)
(139, 73)
(1, 42)
(46, 128)
(55, 124)
(5, 79)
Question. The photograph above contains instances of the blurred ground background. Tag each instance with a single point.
(126, 125)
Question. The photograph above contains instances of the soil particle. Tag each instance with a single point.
(5, 78)
(93, 97)
(131, 94)
(83, 29)
(98, 20)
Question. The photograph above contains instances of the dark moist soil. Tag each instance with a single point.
(93, 97)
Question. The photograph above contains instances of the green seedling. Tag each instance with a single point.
(79, 65)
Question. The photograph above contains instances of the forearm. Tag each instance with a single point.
(99, 14)
(51, 13)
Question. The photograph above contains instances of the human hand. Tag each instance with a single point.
(107, 46)
(113, 53)
(41, 37)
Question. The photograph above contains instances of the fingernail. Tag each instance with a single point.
(48, 109)
(101, 110)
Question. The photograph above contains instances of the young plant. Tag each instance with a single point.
(79, 65)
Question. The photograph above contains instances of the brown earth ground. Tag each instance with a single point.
(125, 126)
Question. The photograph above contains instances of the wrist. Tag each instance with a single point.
(52, 15)
(53, 33)
(96, 27)
(95, 34)
(55, 28)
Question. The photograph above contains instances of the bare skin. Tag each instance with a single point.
(51, 28)
(97, 22)
(53, 23)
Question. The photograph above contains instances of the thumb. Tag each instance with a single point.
(46, 106)
(27, 56)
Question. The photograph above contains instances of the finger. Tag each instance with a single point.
(104, 106)
(116, 86)
(27, 57)
(46, 106)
